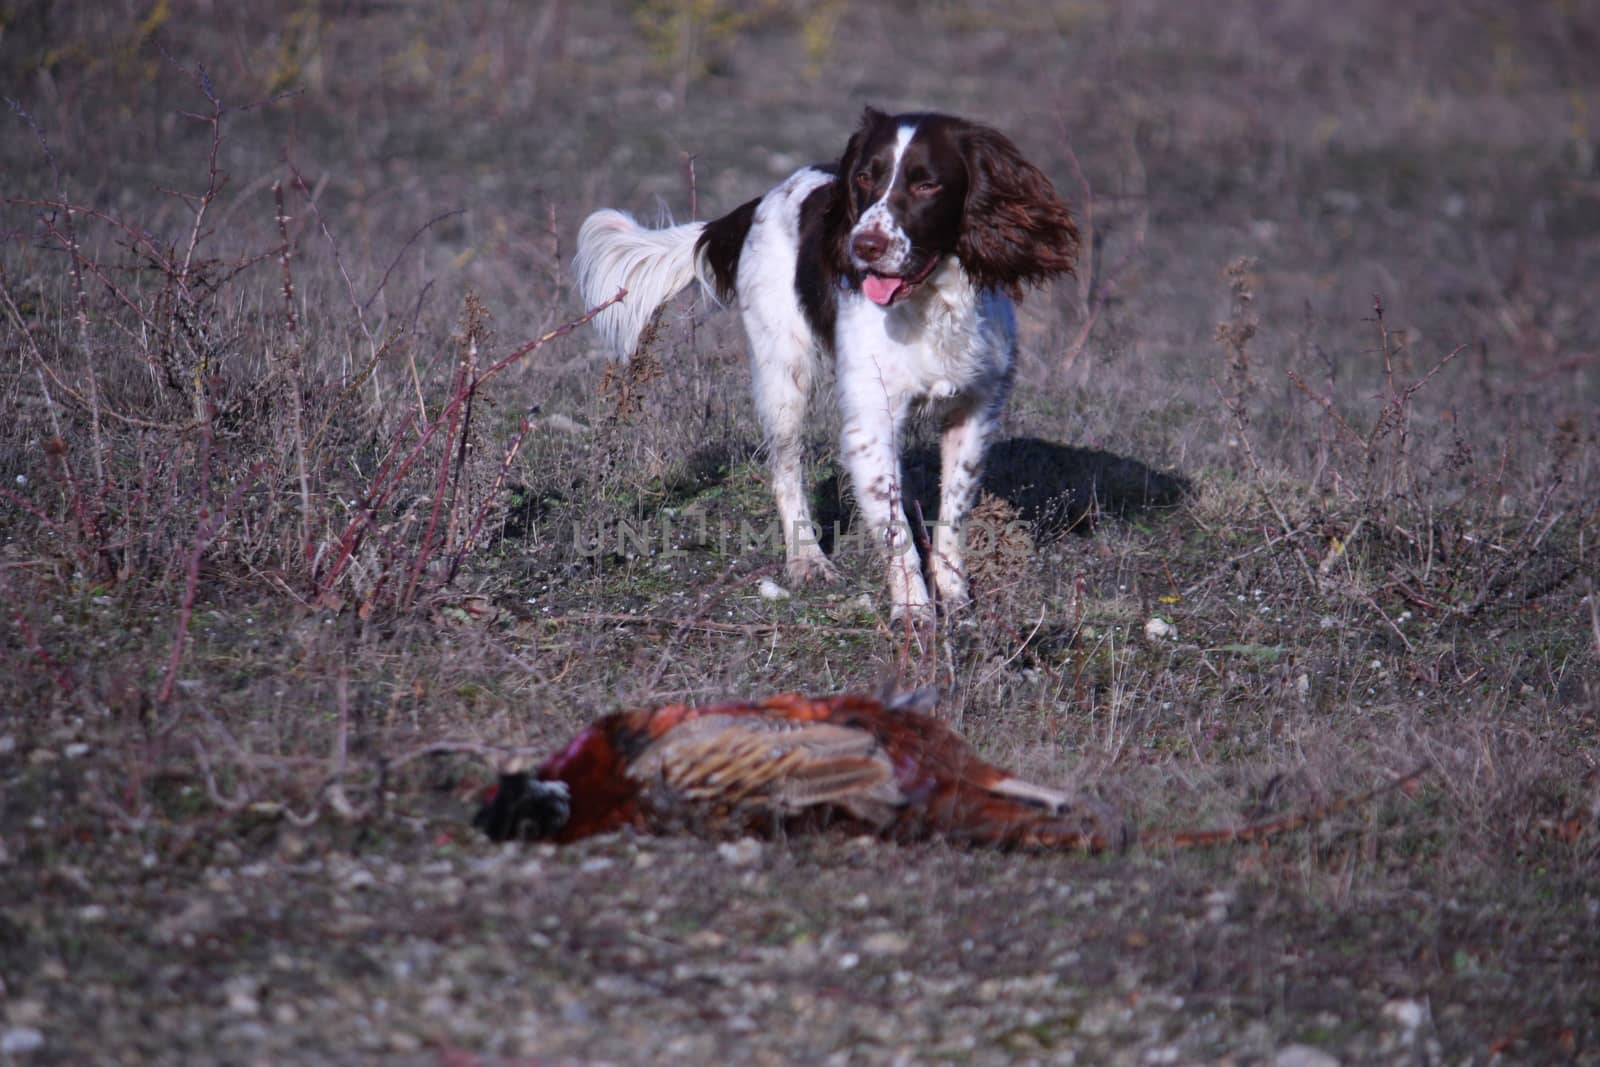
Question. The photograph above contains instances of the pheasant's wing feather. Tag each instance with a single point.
(779, 764)
(824, 781)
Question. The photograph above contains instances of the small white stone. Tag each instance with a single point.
(1159, 629)
(360, 878)
(18, 1040)
(887, 943)
(1408, 1015)
(243, 995)
(1303, 1056)
(740, 853)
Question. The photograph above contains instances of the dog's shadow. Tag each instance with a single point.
(1055, 488)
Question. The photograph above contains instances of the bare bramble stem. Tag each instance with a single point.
(390, 473)
(462, 388)
(81, 302)
(383, 282)
(471, 538)
(349, 285)
(214, 177)
(63, 679)
(210, 525)
(294, 372)
(69, 235)
(203, 535)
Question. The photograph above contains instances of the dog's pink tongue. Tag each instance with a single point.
(880, 289)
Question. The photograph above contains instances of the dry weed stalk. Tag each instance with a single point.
(625, 384)
(61, 676)
(209, 526)
(1235, 334)
(456, 441)
(470, 540)
(1098, 284)
(292, 369)
(391, 473)
(189, 455)
(1443, 555)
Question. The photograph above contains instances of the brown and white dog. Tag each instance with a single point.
(902, 261)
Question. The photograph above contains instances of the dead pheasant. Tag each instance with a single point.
(795, 763)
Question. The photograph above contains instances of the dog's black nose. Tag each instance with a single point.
(868, 245)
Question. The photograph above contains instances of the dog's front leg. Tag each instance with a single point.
(871, 445)
(966, 436)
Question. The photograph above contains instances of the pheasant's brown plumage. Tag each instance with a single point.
(796, 763)
(793, 763)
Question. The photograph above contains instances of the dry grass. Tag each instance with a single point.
(314, 510)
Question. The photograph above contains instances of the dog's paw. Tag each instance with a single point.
(919, 615)
(810, 568)
(950, 586)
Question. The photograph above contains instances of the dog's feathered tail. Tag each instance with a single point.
(615, 252)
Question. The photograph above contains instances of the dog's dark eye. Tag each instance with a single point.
(863, 181)
(925, 188)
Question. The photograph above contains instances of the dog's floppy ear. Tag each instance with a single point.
(1015, 230)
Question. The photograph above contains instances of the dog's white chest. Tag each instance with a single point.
(947, 340)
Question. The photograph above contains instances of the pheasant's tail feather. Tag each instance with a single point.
(1067, 836)
(1058, 834)
(1015, 814)
(1088, 826)
(1281, 824)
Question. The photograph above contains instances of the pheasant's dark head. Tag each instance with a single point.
(521, 808)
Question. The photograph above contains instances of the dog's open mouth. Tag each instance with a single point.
(885, 289)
